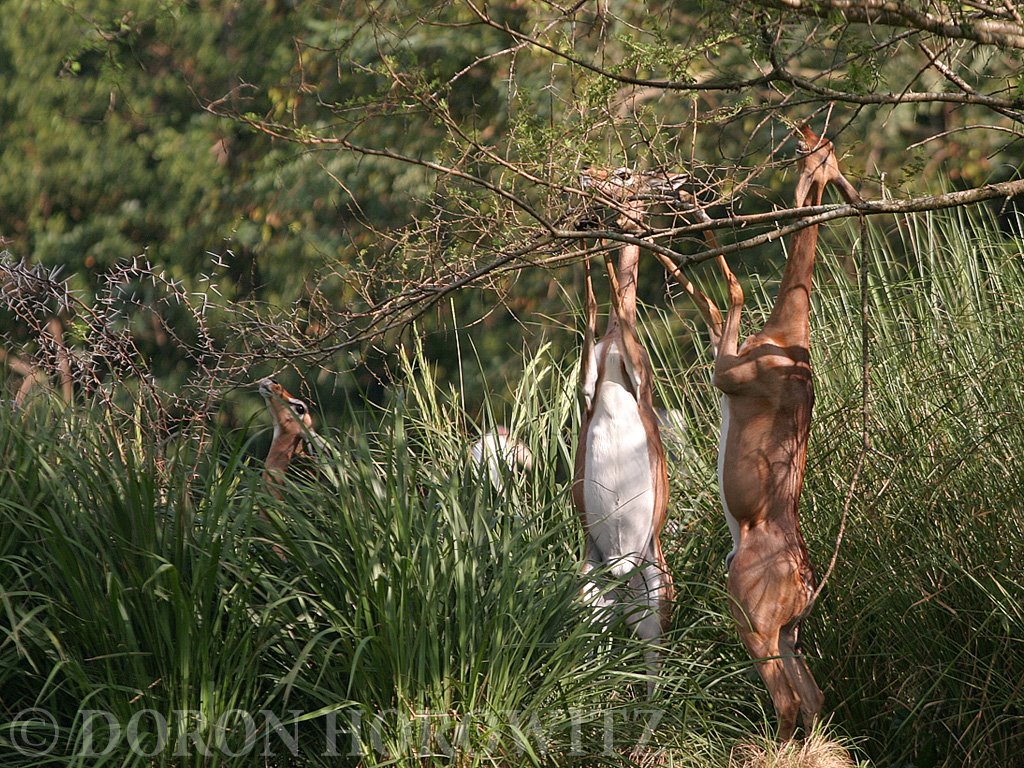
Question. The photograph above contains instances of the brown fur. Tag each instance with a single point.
(293, 425)
(769, 395)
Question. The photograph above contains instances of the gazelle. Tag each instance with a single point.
(620, 485)
(767, 396)
(293, 431)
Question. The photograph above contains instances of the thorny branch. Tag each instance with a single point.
(106, 353)
(553, 241)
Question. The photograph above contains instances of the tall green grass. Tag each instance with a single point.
(416, 615)
(419, 617)
(127, 586)
(917, 639)
(926, 599)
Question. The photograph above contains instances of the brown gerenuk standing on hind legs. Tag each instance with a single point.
(767, 396)
(620, 484)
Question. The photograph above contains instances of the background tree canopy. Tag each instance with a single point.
(227, 188)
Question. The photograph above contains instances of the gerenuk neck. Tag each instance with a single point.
(626, 272)
(789, 323)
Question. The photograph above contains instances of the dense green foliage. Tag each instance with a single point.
(291, 172)
(413, 600)
(108, 152)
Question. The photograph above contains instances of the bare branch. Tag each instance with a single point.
(907, 97)
(979, 28)
(404, 308)
(963, 85)
(779, 73)
(1003, 190)
(666, 85)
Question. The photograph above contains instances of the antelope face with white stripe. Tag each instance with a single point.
(631, 192)
(293, 428)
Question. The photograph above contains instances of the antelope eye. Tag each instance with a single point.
(299, 407)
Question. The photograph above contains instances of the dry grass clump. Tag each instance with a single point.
(816, 751)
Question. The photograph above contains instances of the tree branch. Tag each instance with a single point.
(984, 29)
(667, 85)
(779, 73)
(822, 214)
(1004, 106)
(409, 305)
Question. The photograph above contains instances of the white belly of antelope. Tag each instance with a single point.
(618, 490)
(723, 442)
